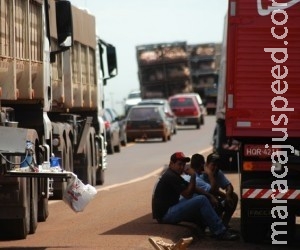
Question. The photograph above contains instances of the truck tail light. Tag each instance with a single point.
(257, 165)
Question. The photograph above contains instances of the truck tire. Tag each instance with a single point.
(33, 205)
(58, 184)
(43, 209)
(93, 153)
(68, 163)
(86, 177)
(100, 176)
(99, 171)
(19, 228)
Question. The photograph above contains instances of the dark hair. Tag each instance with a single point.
(213, 158)
(197, 161)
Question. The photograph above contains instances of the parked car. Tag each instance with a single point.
(147, 121)
(186, 108)
(167, 109)
(122, 125)
(112, 132)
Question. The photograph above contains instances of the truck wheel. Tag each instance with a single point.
(13, 229)
(99, 170)
(58, 185)
(43, 211)
(33, 205)
(100, 176)
(69, 156)
(87, 165)
(94, 160)
(19, 227)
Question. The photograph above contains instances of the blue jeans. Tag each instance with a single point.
(197, 209)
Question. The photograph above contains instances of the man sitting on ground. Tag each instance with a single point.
(211, 179)
(168, 208)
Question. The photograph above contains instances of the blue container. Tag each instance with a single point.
(27, 161)
(55, 162)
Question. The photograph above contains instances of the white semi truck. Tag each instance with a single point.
(53, 69)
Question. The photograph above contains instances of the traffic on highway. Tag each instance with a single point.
(76, 174)
(119, 217)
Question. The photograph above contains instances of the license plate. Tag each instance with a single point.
(258, 150)
(182, 121)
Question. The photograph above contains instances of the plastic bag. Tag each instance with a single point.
(77, 195)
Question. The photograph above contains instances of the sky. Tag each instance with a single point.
(128, 23)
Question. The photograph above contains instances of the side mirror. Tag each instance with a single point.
(112, 60)
(108, 60)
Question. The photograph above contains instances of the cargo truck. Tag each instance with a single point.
(52, 72)
(225, 146)
(259, 108)
(204, 67)
(163, 69)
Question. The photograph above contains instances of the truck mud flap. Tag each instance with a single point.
(258, 224)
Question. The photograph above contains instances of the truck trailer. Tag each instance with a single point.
(204, 68)
(52, 71)
(163, 69)
(259, 109)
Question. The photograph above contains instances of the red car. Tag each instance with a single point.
(186, 109)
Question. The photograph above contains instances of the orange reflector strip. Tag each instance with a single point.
(257, 165)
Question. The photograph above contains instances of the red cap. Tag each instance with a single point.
(179, 156)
